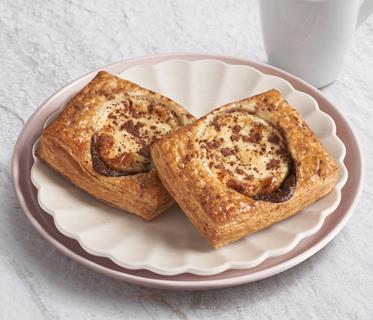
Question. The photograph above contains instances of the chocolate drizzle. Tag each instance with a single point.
(101, 168)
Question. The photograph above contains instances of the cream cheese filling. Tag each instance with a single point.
(244, 151)
(125, 129)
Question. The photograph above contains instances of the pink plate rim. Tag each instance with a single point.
(26, 193)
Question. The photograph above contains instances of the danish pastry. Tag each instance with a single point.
(244, 166)
(101, 143)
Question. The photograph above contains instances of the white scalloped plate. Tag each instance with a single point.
(170, 245)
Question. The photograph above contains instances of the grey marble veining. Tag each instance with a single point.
(46, 44)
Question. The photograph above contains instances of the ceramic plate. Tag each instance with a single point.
(44, 224)
(170, 245)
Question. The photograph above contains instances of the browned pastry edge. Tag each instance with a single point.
(65, 146)
(224, 215)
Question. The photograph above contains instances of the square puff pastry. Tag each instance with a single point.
(244, 167)
(101, 143)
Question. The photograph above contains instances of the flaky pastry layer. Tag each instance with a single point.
(222, 192)
(101, 143)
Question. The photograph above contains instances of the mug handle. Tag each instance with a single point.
(365, 10)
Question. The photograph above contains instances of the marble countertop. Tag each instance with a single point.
(46, 44)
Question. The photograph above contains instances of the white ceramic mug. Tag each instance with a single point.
(310, 38)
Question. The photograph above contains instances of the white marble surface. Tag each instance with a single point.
(46, 44)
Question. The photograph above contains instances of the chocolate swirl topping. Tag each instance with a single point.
(283, 193)
(99, 166)
(123, 133)
(248, 154)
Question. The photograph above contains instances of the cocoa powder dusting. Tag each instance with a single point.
(236, 129)
(227, 152)
(250, 177)
(131, 128)
(273, 164)
(214, 144)
(217, 126)
(145, 151)
(240, 171)
(275, 139)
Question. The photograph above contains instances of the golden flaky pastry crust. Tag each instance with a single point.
(101, 143)
(199, 165)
